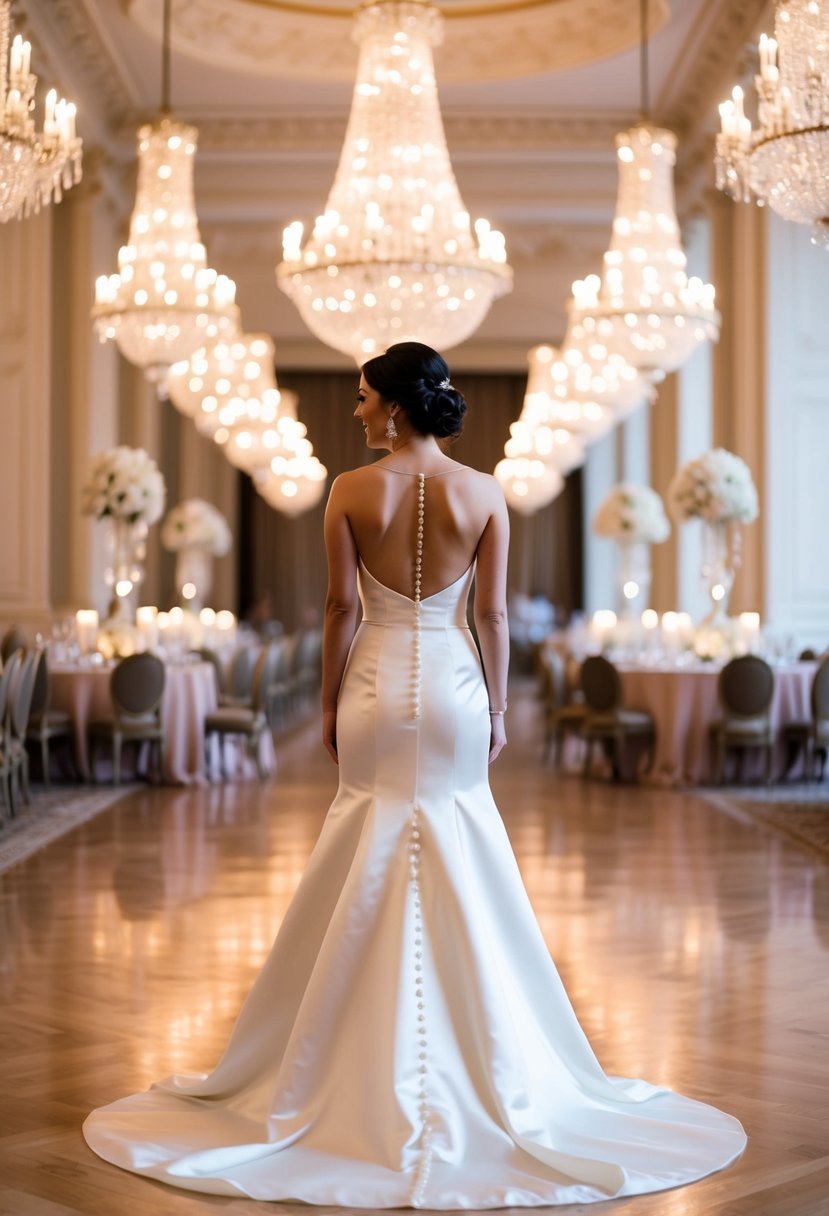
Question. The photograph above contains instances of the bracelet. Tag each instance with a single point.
(497, 713)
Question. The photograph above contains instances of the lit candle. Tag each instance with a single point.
(670, 632)
(146, 618)
(86, 627)
(49, 123)
(685, 627)
(604, 622)
(750, 629)
(16, 58)
(737, 98)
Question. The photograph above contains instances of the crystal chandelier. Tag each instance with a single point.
(165, 301)
(271, 444)
(267, 428)
(644, 306)
(35, 167)
(215, 385)
(785, 162)
(394, 256)
(294, 479)
(528, 483)
(574, 396)
(581, 387)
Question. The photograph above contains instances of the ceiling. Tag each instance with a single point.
(532, 92)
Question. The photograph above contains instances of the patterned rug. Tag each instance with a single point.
(800, 812)
(52, 813)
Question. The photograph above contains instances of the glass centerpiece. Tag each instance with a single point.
(126, 490)
(196, 532)
(718, 489)
(634, 517)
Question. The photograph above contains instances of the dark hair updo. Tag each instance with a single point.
(417, 378)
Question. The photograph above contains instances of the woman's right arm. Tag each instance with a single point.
(341, 605)
(491, 612)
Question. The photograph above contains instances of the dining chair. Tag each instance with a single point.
(239, 685)
(21, 687)
(561, 715)
(243, 721)
(211, 656)
(8, 677)
(281, 695)
(745, 689)
(46, 724)
(13, 639)
(607, 720)
(308, 663)
(136, 688)
(812, 737)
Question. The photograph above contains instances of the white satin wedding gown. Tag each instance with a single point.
(408, 1043)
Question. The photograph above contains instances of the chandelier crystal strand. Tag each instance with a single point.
(165, 301)
(645, 307)
(785, 161)
(394, 255)
(35, 166)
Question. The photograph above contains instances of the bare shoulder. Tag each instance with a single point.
(348, 484)
(487, 488)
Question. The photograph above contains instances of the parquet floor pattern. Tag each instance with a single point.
(694, 948)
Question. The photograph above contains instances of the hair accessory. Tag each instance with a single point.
(444, 383)
(391, 429)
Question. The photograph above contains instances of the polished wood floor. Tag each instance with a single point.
(695, 949)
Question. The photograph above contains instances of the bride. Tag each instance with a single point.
(408, 1043)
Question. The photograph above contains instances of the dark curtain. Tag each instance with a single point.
(286, 558)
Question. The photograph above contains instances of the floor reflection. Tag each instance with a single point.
(680, 934)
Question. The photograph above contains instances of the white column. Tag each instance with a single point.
(694, 435)
(636, 448)
(205, 473)
(25, 370)
(794, 496)
(599, 555)
(738, 255)
(86, 390)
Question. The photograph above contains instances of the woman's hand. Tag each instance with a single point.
(329, 733)
(497, 737)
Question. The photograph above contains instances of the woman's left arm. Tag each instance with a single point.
(341, 605)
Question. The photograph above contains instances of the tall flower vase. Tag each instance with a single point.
(720, 562)
(633, 577)
(126, 552)
(194, 575)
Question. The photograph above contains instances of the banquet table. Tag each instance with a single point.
(683, 703)
(189, 696)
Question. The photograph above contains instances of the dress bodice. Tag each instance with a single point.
(445, 609)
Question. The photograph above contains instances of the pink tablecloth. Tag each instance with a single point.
(189, 695)
(683, 703)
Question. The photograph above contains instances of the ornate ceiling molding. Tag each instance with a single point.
(323, 134)
(483, 40)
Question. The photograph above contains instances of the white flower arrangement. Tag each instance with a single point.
(124, 483)
(716, 487)
(632, 512)
(194, 523)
